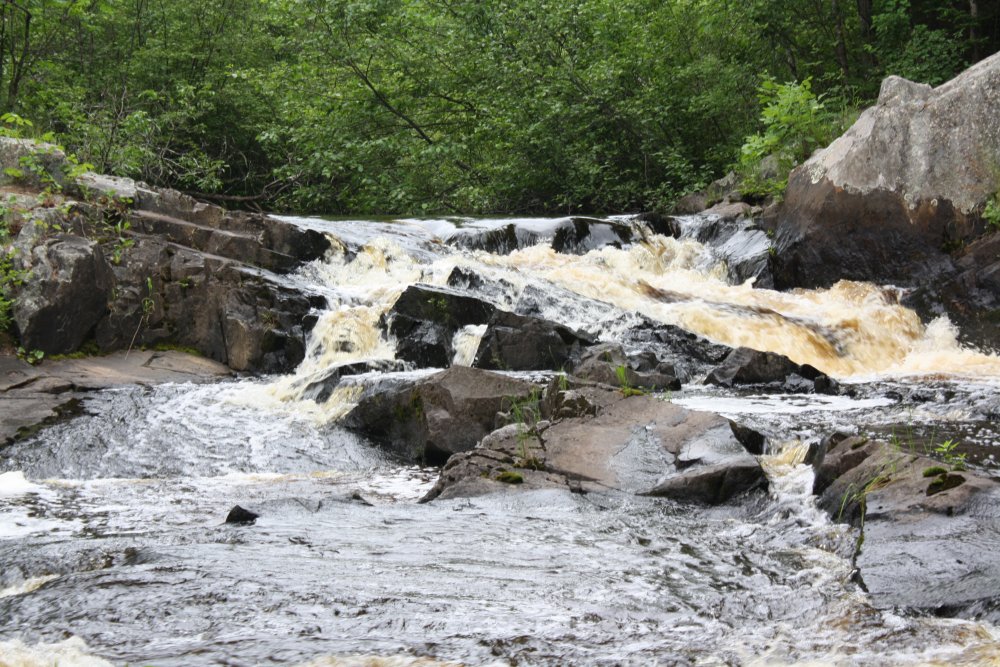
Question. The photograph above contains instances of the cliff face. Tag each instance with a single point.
(899, 197)
(125, 265)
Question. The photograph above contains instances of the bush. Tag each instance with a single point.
(796, 123)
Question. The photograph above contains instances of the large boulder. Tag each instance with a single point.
(425, 319)
(608, 442)
(427, 419)
(515, 342)
(64, 295)
(902, 189)
(930, 530)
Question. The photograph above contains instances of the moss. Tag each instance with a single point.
(934, 471)
(510, 477)
(414, 409)
(175, 347)
(632, 391)
(943, 483)
(531, 463)
(90, 348)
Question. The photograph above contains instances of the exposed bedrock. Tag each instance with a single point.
(125, 265)
(899, 198)
(930, 532)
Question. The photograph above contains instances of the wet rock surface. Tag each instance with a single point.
(607, 442)
(427, 419)
(608, 363)
(520, 343)
(929, 527)
(31, 396)
(425, 319)
(744, 366)
(899, 198)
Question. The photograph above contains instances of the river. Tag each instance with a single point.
(114, 548)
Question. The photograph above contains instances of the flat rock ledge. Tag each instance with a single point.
(32, 396)
(592, 438)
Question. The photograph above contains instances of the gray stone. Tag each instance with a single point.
(898, 198)
(521, 343)
(930, 543)
(637, 445)
(64, 295)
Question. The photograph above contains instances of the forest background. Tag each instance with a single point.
(463, 106)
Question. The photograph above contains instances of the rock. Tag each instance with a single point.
(897, 193)
(637, 445)
(839, 456)
(608, 364)
(428, 419)
(688, 354)
(498, 291)
(241, 516)
(239, 315)
(91, 186)
(578, 236)
(31, 164)
(186, 273)
(425, 319)
(712, 485)
(731, 236)
(497, 241)
(321, 389)
(64, 296)
(694, 202)
(931, 540)
(515, 342)
(752, 440)
(744, 366)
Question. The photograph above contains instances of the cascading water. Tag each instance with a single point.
(111, 523)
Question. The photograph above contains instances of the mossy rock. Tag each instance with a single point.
(510, 477)
(944, 482)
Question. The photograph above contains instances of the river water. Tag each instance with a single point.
(113, 546)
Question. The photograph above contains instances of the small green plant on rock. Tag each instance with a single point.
(621, 373)
(946, 450)
(934, 471)
(991, 214)
(33, 357)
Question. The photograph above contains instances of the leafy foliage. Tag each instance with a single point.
(429, 106)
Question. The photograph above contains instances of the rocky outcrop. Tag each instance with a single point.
(427, 419)
(518, 343)
(425, 319)
(31, 396)
(929, 528)
(59, 306)
(596, 440)
(127, 265)
(744, 366)
(897, 197)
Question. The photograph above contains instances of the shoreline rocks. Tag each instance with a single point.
(115, 261)
(899, 198)
(929, 530)
(31, 396)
